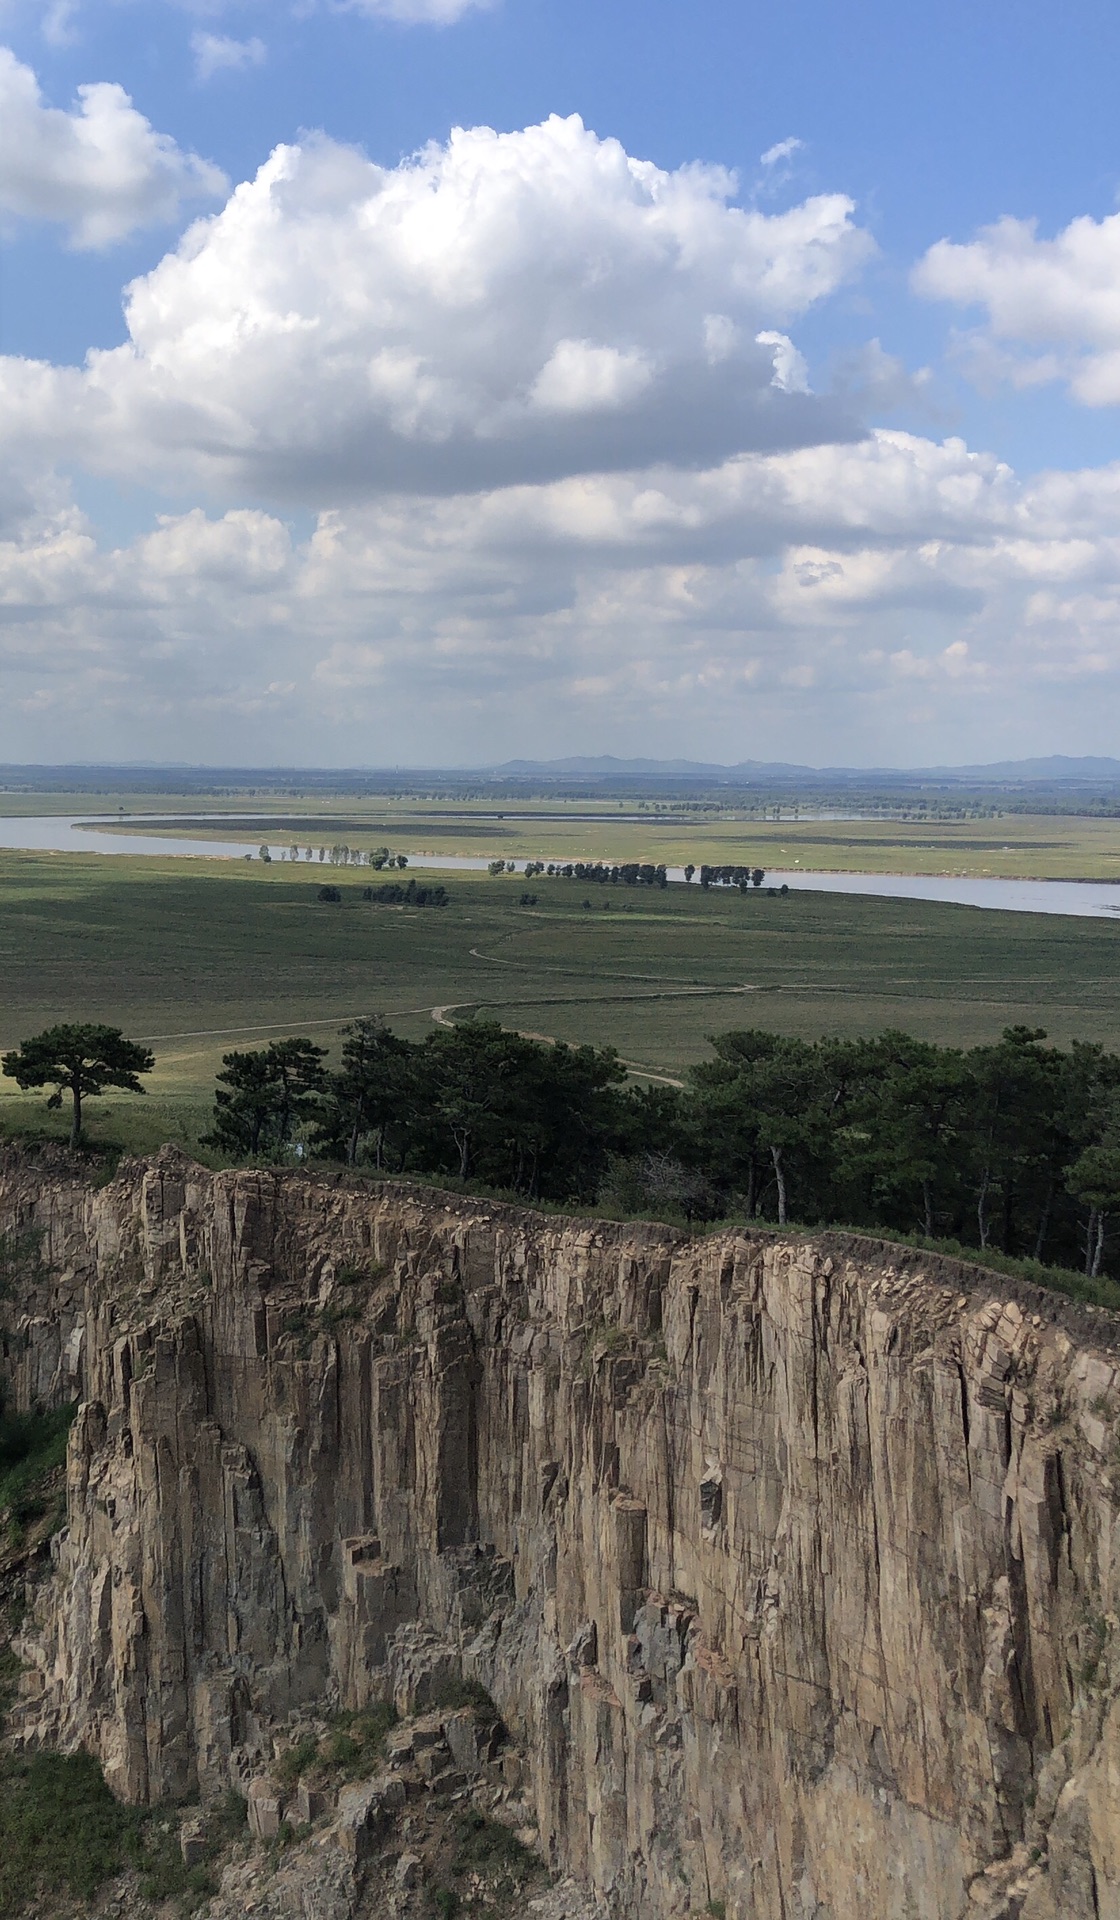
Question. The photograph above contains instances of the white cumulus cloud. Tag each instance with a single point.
(98, 168)
(578, 377)
(503, 306)
(790, 373)
(1052, 306)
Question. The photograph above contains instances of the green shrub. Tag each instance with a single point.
(451, 1694)
(62, 1835)
(61, 1831)
(296, 1761)
(32, 1447)
(480, 1842)
(356, 1740)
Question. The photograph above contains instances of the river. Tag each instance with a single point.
(60, 833)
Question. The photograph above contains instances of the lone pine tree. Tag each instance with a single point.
(81, 1061)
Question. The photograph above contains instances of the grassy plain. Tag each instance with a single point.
(198, 956)
(1013, 846)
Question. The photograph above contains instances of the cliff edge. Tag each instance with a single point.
(791, 1564)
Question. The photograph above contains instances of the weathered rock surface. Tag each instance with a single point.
(792, 1564)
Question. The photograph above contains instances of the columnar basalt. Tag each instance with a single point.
(791, 1561)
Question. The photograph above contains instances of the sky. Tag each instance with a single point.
(440, 382)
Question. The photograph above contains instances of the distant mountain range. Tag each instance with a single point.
(1055, 769)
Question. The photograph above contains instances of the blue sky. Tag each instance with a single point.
(528, 446)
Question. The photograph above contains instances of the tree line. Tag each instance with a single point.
(392, 894)
(1013, 1146)
(632, 873)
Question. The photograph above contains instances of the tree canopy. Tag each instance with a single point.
(79, 1060)
(264, 1094)
(1014, 1145)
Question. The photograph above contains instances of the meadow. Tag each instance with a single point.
(196, 957)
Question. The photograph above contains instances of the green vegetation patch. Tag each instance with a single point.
(484, 1866)
(351, 1747)
(62, 1835)
(61, 1831)
(455, 1692)
(32, 1450)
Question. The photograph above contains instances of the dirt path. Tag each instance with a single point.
(440, 1016)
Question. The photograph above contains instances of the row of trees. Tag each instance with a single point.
(341, 855)
(741, 877)
(473, 1101)
(633, 873)
(1014, 1145)
(391, 893)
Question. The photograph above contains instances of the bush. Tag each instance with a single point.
(62, 1835)
(352, 1746)
(332, 894)
(393, 894)
(32, 1448)
(451, 1694)
(61, 1830)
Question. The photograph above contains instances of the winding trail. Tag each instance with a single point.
(442, 1017)
(664, 988)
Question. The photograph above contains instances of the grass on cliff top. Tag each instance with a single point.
(1101, 1292)
(1080, 1287)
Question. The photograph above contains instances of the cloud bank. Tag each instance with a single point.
(415, 13)
(512, 447)
(910, 595)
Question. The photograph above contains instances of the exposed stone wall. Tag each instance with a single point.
(792, 1562)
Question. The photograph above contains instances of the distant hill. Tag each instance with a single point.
(600, 770)
(1055, 769)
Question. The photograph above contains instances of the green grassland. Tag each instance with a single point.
(1014, 846)
(196, 957)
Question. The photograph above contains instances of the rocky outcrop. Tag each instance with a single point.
(791, 1562)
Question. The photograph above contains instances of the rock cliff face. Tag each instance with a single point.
(791, 1562)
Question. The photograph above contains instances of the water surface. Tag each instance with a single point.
(59, 833)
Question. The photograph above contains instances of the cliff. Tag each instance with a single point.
(790, 1562)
